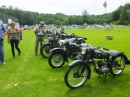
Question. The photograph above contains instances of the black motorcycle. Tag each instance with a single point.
(53, 39)
(53, 42)
(110, 62)
(69, 48)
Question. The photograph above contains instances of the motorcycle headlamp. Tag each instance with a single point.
(62, 42)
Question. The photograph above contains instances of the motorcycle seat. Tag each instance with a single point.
(113, 52)
(83, 45)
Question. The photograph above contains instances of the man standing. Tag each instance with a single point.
(62, 29)
(2, 36)
(39, 32)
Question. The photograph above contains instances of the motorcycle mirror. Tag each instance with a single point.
(109, 37)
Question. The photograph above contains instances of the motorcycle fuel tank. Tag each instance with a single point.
(74, 46)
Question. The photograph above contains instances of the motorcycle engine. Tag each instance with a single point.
(101, 67)
(74, 46)
(78, 57)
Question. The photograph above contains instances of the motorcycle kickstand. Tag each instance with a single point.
(105, 75)
(99, 75)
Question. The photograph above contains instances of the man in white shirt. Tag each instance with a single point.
(39, 31)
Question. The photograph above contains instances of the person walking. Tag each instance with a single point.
(2, 36)
(39, 32)
(20, 32)
(13, 38)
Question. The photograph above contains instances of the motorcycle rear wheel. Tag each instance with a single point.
(56, 60)
(118, 65)
(76, 76)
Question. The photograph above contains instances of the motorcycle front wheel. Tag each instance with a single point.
(118, 65)
(45, 50)
(76, 76)
(56, 60)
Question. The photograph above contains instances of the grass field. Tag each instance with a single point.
(31, 76)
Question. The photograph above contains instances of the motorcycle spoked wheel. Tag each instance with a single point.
(118, 65)
(45, 50)
(56, 60)
(76, 76)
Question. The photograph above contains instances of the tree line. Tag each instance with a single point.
(119, 16)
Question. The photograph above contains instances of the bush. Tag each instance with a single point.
(121, 22)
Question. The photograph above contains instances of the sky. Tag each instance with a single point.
(67, 7)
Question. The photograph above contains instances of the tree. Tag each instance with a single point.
(119, 16)
(115, 15)
(66, 21)
(105, 5)
(58, 22)
(123, 17)
(128, 15)
(3, 6)
(28, 18)
(85, 16)
(39, 18)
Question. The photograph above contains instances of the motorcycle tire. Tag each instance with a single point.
(45, 50)
(76, 75)
(118, 65)
(56, 60)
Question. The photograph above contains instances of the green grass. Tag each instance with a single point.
(35, 78)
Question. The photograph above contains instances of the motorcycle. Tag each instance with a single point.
(53, 42)
(69, 48)
(53, 39)
(110, 62)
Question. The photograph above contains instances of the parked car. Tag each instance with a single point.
(26, 27)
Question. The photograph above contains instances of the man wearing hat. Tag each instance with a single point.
(39, 31)
(61, 29)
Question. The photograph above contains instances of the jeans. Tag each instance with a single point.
(14, 43)
(1, 50)
(20, 35)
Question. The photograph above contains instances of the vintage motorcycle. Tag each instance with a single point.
(53, 39)
(110, 62)
(53, 42)
(69, 48)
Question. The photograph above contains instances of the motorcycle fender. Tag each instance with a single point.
(57, 50)
(62, 51)
(125, 57)
(73, 63)
(45, 43)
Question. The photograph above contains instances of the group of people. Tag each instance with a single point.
(14, 36)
